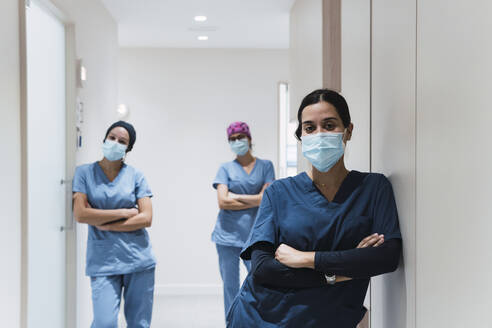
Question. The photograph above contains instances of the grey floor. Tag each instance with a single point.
(203, 311)
(193, 311)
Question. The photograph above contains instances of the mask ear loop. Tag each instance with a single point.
(124, 157)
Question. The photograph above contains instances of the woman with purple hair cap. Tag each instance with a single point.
(240, 185)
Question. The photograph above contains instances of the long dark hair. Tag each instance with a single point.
(331, 97)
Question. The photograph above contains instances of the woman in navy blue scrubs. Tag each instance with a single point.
(319, 236)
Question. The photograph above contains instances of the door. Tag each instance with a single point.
(46, 163)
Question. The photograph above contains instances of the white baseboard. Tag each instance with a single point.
(187, 289)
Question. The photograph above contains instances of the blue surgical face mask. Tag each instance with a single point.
(240, 147)
(323, 149)
(113, 151)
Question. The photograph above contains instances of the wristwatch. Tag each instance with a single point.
(331, 279)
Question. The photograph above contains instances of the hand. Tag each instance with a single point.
(293, 258)
(373, 240)
(130, 212)
(264, 188)
(342, 278)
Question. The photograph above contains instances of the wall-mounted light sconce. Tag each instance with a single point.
(81, 74)
(123, 112)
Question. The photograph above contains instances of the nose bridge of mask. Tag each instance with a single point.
(116, 145)
(323, 139)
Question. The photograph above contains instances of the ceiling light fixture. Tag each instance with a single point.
(200, 18)
(202, 38)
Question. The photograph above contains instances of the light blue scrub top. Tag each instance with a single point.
(233, 227)
(111, 252)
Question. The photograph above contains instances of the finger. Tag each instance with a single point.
(365, 240)
(369, 241)
(373, 241)
(362, 242)
(379, 242)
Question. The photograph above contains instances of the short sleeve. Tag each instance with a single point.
(221, 177)
(270, 173)
(79, 180)
(264, 229)
(385, 212)
(142, 188)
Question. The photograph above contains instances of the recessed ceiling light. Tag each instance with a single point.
(200, 18)
(202, 38)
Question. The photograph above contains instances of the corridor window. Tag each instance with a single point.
(287, 141)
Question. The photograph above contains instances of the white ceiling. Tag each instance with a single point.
(230, 24)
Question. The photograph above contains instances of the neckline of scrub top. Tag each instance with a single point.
(242, 168)
(105, 176)
(349, 184)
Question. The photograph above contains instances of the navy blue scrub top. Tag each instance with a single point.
(233, 227)
(294, 212)
(114, 252)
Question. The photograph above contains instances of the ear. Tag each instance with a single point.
(348, 134)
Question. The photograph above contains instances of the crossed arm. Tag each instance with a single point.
(123, 219)
(291, 268)
(230, 201)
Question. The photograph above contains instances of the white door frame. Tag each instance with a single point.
(70, 132)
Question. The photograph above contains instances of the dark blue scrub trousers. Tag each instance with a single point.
(229, 271)
(138, 292)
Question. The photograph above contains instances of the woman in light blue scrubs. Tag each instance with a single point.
(240, 185)
(113, 199)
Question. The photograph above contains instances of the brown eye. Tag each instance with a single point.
(309, 129)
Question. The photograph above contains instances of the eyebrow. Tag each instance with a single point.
(325, 119)
(115, 136)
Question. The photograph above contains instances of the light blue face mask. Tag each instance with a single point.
(113, 151)
(240, 147)
(323, 149)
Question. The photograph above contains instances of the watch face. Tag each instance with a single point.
(331, 279)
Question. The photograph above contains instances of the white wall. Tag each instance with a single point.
(454, 157)
(97, 44)
(393, 149)
(10, 193)
(356, 83)
(181, 102)
(430, 87)
(305, 57)
(306, 51)
(356, 79)
(96, 36)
